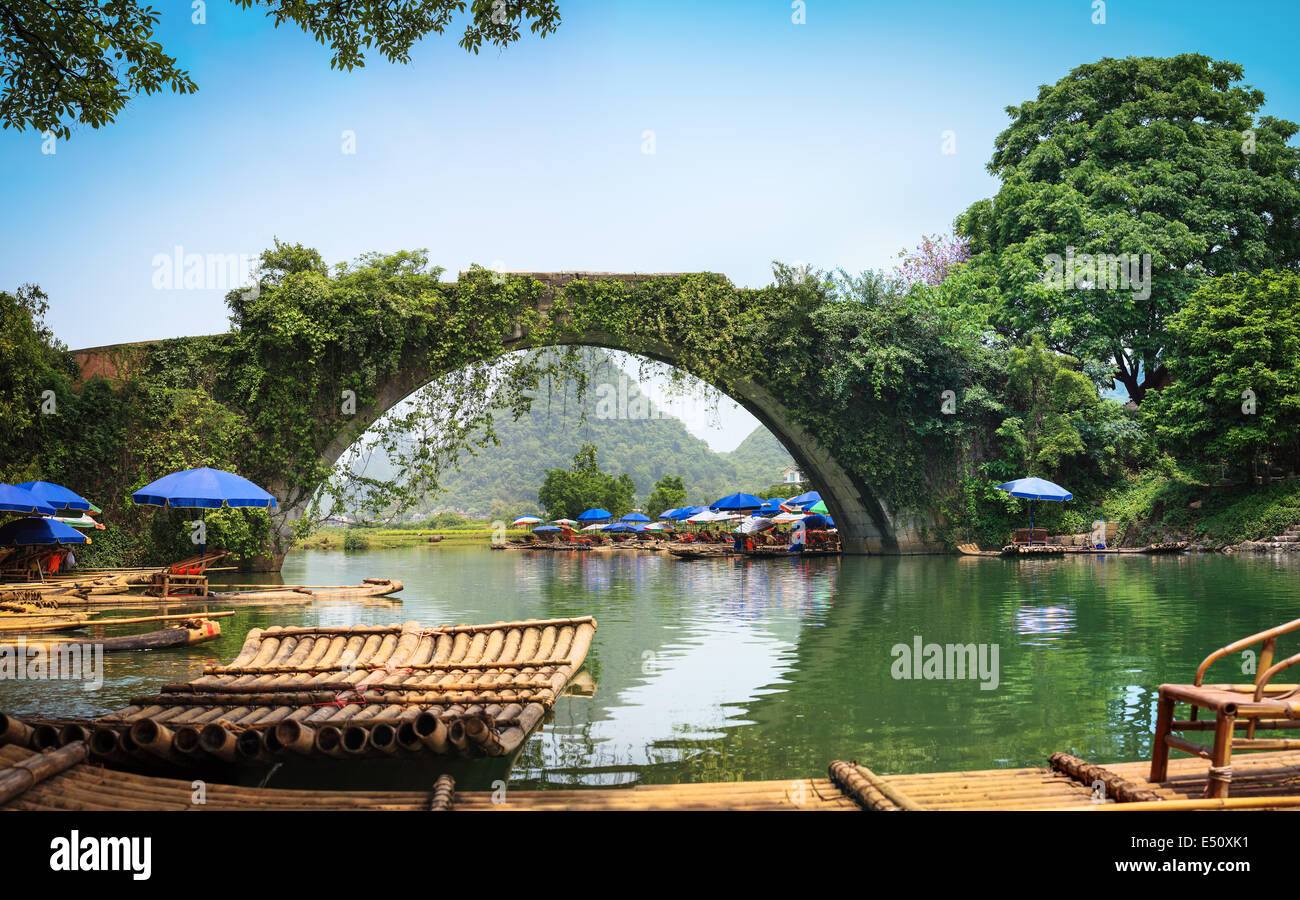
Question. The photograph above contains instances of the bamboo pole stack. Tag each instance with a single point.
(349, 692)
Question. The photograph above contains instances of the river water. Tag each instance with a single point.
(711, 670)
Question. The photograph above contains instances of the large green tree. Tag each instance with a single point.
(1130, 158)
(1235, 357)
(83, 60)
(669, 493)
(566, 493)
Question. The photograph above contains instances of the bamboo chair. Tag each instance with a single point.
(1259, 705)
(1030, 536)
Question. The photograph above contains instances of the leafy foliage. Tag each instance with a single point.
(1131, 156)
(669, 493)
(1236, 362)
(83, 60)
(566, 493)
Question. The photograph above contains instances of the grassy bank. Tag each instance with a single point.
(375, 538)
(1156, 507)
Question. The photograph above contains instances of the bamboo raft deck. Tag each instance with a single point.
(345, 692)
(370, 588)
(66, 779)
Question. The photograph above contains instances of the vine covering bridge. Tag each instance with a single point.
(866, 525)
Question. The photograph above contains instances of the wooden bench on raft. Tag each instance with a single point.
(1259, 705)
(1029, 536)
(185, 578)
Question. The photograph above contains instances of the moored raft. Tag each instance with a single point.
(290, 593)
(353, 692)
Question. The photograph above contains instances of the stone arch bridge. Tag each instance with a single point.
(865, 524)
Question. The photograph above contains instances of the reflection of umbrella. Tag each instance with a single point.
(1033, 489)
(526, 520)
(33, 530)
(737, 501)
(56, 495)
(592, 515)
(635, 517)
(203, 488)
(17, 499)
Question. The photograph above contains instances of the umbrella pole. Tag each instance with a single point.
(1031, 523)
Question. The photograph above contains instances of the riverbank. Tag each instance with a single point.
(363, 538)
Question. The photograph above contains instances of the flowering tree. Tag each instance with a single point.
(930, 261)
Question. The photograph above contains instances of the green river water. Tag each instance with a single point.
(725, 669)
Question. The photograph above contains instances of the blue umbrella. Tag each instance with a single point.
(546, 528)
(686, 512)
(1035, 489)
(595, 515)
(34, 530)
(737, 501)
(770, 507)
(668, 513)
(203, 489)
(635, 517)
(18, 499)
(809, 498)
(56, 495)
(818, 522)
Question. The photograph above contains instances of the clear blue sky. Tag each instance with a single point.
(818, 143)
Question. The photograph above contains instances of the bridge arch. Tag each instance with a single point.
(864, 523)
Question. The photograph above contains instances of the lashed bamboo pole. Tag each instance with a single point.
(1117, 787)
(444, 793)
(20, 777)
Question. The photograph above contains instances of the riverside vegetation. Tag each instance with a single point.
(964, 369)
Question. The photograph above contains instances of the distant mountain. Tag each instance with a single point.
(759, 460)
(632, 436)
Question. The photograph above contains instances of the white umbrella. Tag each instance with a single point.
(787, 518)
(755, 523)
(596, 527)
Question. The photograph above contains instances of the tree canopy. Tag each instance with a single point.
(1128, 160)
(1235, 356)
(83, 60)
(567, 493)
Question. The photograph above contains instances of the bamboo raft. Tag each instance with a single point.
(66, 779)
(191, 630)
(300, 593)
(348, 692)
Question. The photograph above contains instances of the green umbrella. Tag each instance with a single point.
(819, 507)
